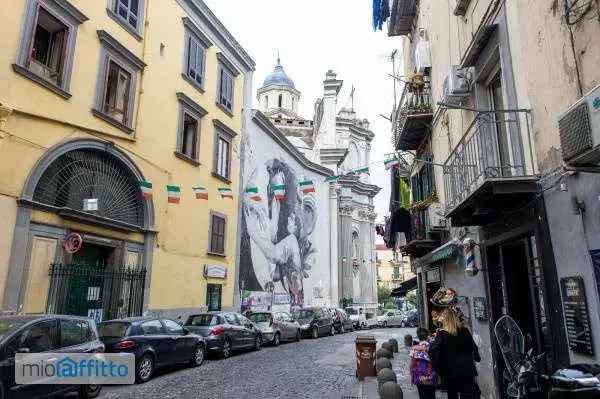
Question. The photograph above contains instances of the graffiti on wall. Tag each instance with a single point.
(277, 250)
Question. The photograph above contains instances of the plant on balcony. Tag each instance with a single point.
(418, 100)
(420, 205)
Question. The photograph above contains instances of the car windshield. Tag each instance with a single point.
(380, 312)
(9, 325)
(260, 317)
(203, 320)
(303, 314)
(113, 329)
(352, 311)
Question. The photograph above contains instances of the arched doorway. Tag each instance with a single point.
(89, 191)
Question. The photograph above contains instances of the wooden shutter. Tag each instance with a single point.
(43, 252)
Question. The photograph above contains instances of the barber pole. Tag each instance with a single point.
(471, 268)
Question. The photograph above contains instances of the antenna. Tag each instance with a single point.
(393, 59)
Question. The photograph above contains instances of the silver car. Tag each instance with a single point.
(276, 326)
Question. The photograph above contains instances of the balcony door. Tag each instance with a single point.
(499, 130)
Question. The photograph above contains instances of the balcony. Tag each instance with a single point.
(425, 237)
(486, 175)
(402, 18)
(412, 120)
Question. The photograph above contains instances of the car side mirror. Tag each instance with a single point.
(185, 331)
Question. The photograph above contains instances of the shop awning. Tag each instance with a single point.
(449, 250)
(404, 287)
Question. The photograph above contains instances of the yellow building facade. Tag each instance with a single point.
(98, 101)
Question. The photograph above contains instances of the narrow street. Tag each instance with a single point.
(321, 368)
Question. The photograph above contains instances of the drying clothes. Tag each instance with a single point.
(385, 12)
(404, 194)
(401, 223)
(380, 230)
(377, 15)
(386, 237)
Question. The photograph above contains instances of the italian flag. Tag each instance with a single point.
(360, 171)
(332, 178)
(173, 194)
(390, 163)
(226, 192)
(279, 192)
(307, 186)
(253, 193)
(200, 192)
(146, 188)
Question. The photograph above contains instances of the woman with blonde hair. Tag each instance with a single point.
(453, 354)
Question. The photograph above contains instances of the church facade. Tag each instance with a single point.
(300, 247)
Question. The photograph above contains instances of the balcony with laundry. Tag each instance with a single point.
(402, 17)
(412, 119)
(490, 171)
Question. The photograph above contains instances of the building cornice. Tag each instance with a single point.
(354, 183)
(268, 127)
(266, 88)
(333, 155)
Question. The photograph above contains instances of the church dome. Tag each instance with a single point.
(278, 77)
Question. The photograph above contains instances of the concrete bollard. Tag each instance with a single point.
(408, 340)
(385, 375)
(394, 343)
(388, 347)
(390, 390)
(383, 353)
(383, 363)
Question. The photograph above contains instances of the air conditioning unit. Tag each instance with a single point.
(457, 86)
(579, 128)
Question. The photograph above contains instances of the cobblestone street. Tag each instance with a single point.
(321, 368)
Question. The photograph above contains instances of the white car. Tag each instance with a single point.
(390, 318)
(362, 316)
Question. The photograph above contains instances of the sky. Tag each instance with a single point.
(313, 36)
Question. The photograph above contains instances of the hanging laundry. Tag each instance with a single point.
(376, 14)
(385, 12)
(404, 194)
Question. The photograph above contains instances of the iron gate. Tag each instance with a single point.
(102, 292)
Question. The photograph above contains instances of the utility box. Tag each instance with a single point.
(365, 356)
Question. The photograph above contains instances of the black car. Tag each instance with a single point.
(225, 331)
(314, 322)
(155, 342)
(341, 321)
(44, 333)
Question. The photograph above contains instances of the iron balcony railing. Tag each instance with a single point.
(413, 114)
(496, 145)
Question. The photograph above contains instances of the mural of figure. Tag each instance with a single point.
(276, 251)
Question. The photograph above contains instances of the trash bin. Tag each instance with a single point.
(365, 356)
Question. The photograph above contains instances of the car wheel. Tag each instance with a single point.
(276, 340)
(402, 324)
(226, 351)
(257, 343)
(315, 333)
(198, 358)
(144, 369)
(298, 336)
(385, 324)
(86, 391)
(342, 329)
(332, 330)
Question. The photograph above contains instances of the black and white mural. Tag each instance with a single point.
(284, 246)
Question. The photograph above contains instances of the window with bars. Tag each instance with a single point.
(217, 234)
(128, 11)
(213, 297)
(226, 87)
(195, 60)
(423, 182)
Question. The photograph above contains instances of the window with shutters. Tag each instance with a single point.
(217, 234)
(226, 87)
(195, 61)
(117, 93)
(188, 134)
(222, 168)
(129, 14)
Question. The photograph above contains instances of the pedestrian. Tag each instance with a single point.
(422, 373)
(453, 354)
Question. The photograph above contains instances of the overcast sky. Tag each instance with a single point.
(312, 37)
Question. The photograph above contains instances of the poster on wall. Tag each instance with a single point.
(258, 301)
(280, 212)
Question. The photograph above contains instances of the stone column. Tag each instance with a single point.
(331, 89)
(334, 262)
(345, 240)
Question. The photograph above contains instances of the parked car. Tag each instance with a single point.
(44, 333)
(341, 321)
(363, 316)
(155, 342)
(225, 332)
(314, 322)
(390, 317)
(276, 326)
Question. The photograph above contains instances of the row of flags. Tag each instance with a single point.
(174, 192)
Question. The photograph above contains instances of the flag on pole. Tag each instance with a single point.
(200, 192)
(332, 178)
(146, 188)
(360, 171)
(307, 186)
(279, 192)
(173, 194)
(390, 163)
(253, 193)
(226, 192)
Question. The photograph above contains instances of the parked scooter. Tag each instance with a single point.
(579, 381)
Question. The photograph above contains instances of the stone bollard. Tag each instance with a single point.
(385, 375)
(388, 347)
(383, 363)
(394, 343)
(383, 353)
(408, 340)
(390, 390)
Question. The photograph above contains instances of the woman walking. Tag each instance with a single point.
(453, 353)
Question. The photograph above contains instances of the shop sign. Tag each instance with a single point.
(433, 275)
(281, 298)
(577, 318)
(90, 204)
(480, 308)
(215, 271)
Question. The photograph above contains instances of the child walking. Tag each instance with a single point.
(422, 373)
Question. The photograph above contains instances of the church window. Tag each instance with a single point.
(266, 101)
(280, 100)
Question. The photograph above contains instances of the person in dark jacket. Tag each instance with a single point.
(453, 354)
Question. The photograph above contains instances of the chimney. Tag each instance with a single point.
(331, 89)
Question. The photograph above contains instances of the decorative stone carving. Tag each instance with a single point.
(4, 114)
(346, 210)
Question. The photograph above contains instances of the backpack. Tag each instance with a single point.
(421, 369)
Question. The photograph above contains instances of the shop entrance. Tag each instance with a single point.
(432, 285)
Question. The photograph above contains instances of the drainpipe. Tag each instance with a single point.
(143, 72)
